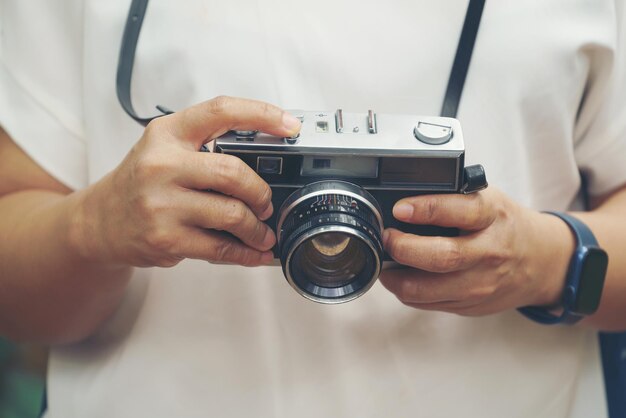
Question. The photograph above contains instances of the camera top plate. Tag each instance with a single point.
(340, 132)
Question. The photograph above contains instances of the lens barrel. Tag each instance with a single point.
(330, 241)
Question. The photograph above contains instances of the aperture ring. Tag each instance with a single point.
(310, 208)
(330, 192)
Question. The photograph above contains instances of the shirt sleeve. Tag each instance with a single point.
(600, 143)
(40, 84)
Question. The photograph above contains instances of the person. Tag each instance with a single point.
(107, 228)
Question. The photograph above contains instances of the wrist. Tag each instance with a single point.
(86, 233)
(554, 246)
(583, 286)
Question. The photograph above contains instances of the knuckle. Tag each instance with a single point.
(247, 258)
(160, 241)
(406, 254)
(472, 217)
(150, 207)
(168, 262)
(235, 216)
(448, 256)
(265, 197)
(224, 250)
(431, 207)
(150, 166)
(475, 215)
(502, 213)
(480, 293)
(259, 231)
(220, 105)
(396, 249)
(496, 259)
(154, 128)
(407, 291)
(269, 112)
(481, 204)
(231, 169)
(241, 172)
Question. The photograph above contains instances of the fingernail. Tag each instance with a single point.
(403, 211)
(267, 257)
(385, 237)
(269, 240)
(291, 123)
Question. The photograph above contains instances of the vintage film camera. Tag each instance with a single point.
(335, 184)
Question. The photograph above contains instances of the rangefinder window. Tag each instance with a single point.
(420, 171)
(321, 163)
(339, 166)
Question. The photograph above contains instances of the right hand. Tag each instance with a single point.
(155, 209)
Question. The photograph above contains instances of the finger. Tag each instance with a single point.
(468, 212)
(434, 254)
(223, 213)
(470, 310)
(230, 176)
(200, 123)
(450, 307)
(219, 247)
(424, 288)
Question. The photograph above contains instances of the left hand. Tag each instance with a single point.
(506, 256)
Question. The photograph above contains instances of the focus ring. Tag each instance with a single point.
(370, 229)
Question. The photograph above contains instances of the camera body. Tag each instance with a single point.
(335, 184)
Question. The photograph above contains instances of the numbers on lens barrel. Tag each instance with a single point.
(333, 202)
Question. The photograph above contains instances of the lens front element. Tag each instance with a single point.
(331, 244)
(325, 270)
(330, 241)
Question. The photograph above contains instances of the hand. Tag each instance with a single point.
(155, 209)
(506, 256)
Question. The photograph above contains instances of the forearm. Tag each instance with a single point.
(608, 224)
(48, 292)
(64, 256)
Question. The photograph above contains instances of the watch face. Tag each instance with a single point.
(592, 273)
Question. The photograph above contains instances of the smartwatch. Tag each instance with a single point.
(584, 282)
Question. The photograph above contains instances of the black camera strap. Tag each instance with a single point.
(456, 82)
(134, 21)
(462, 59)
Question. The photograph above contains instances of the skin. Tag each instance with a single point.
(507, 256)
(70, 253)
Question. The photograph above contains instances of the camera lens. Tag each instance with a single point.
(331, 259)
(330, 241)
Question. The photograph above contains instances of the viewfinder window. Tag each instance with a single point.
(269, 165)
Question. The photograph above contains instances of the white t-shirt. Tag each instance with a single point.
(543, 99)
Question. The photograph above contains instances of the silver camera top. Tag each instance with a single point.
(341, 132)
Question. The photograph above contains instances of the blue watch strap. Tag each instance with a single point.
(581, 231)
(584, 238)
